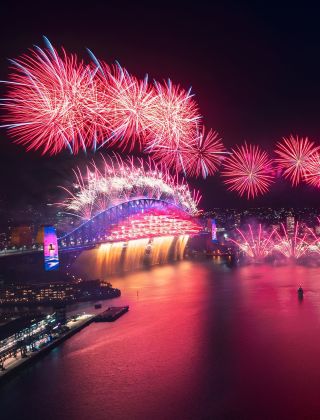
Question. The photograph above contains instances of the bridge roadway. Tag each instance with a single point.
(96, 230)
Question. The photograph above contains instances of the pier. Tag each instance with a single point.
(12, 360)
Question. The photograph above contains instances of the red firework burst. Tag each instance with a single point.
(174, 117)
(130, 103)
(53, 103)
(200, 156)
(312, 172)
(248, 171)
(205, 154)
(294, 157)
(173, 156)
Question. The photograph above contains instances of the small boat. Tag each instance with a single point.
(300, 292)
(97, 306)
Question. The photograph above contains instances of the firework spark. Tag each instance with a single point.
(200, 156)
(248, 171)
(119, 181)
(130, 102)
(293, 247)
(155, 223)
(174, 118)
(255, 244)
(258, 245)
(312, 172)
(295, 154)
(205, 154)
(53, 102)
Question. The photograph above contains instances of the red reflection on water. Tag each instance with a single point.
(200, 341)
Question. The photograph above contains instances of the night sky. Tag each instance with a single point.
(254, 67)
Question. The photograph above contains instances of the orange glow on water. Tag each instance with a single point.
(180, 247)
(160, 249)
(134, 254)
(112, 258)
(109, 257)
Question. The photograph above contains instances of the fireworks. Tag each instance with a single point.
(200, 156)
(205, 155)
(312, 172)
(292, 246)
(248, 171)
(174, 138)
(174, 118)
(56, 102)
(295, 154)
(131, 103)
(257, 244)
(53, 103)
(154, 224)
(119, 181)
(254, 244)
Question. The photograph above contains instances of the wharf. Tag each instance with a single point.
(15, 364)
(111, 314)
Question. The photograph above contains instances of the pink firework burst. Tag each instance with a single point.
(174, 117)
(205, 154)
(295, 154)
(200, 156)
(312, 172)
(248, 171)
(255, 244)
(53, 103)
(130, 103)
(173, 157)
(292, 246)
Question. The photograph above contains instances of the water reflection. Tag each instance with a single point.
(201, 340)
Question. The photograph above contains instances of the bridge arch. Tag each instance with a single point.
(97, 230)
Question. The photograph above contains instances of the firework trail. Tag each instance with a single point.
(248, 171)
(56, 102)
(174, 118)
(205, 155)
(53, 103)
(118, 181)
(294, 157)
(312, 172)
(130, 103)
(293, 247)
(257, 245)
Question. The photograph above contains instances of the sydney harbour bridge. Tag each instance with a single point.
(126, 216)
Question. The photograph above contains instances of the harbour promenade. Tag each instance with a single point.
(13, 364)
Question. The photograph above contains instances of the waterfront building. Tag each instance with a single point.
(26, 334)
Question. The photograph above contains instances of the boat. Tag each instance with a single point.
(97, 306)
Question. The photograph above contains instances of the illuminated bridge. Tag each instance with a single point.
(130, 215)
(135, 219)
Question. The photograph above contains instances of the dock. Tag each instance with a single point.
(14, 364)
(17, 363)
(111, 314)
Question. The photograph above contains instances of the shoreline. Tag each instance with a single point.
(19, 364)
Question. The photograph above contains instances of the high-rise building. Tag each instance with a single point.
(290, 224)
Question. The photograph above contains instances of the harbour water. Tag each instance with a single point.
(200, 341)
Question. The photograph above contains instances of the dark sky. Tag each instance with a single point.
(254, 67)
